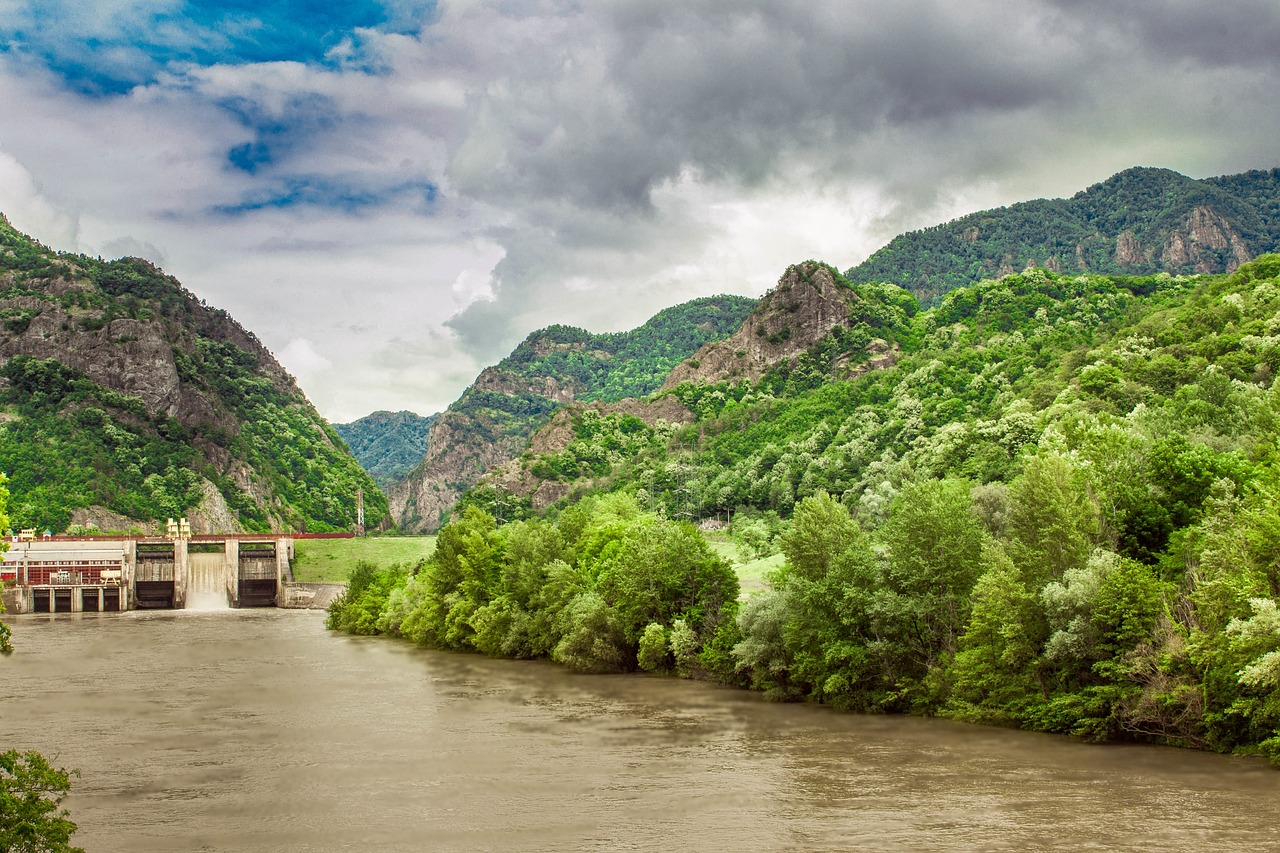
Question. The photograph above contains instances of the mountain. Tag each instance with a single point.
(1139, 222)
(811, 302)
(814, 326)
(823, 333)
(387, 444)
(126, 400)
(1046, 500)
(491, 422)
(1055, 509)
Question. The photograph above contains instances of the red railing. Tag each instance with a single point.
(68, 573)
(202, 537)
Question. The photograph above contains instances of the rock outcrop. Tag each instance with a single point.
(493, 420)
(800, 311)
(1206, 241)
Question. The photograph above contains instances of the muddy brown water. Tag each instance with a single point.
(258, 730)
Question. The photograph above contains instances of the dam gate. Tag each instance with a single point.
(96, 574)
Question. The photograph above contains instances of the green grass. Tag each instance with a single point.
(331, 560)
(751, 572)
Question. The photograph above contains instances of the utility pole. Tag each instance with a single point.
(359, 511)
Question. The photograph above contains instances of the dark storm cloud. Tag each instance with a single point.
(601, 108)
(1244, 33)
(644, 90)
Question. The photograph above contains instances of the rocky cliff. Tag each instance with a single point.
(160, 404)
(491, 422)
(472, 436)
(800, 311)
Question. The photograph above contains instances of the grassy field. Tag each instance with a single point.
(327, 560)
(331, 560)
(750, 571)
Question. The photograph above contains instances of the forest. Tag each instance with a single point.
(1058, 510)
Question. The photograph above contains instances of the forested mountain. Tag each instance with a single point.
(1139, 222)
(125, 400)
(387, 444)
(1055, 508)
(493, 419)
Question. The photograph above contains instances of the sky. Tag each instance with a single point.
(392, 195)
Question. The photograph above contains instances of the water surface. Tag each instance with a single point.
(258, 730)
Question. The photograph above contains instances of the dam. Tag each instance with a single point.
(77, 574)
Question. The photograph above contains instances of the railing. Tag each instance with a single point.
(79, 573)
(199, 537)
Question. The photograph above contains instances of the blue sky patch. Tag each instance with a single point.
(327, 193)
(278, 134)
(100, 49)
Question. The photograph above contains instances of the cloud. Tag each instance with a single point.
(128, 247)
(1240, 34)
(300, 357)
(412, 190)
(28, 210)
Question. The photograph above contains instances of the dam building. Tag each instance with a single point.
(68, 574)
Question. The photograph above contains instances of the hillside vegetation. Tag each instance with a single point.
(493, 419)
(125, 398)
(387, 444)
(1139, 222)
(1056, 509)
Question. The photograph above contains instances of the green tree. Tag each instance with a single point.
(828, 580)
(935, 556)
(994, 671)
(1053, 518)
(31, 793)
(763, 652)
(662, 570)
(591, 636)
(653, 654)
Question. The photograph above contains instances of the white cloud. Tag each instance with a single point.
(514, 165)
(28, 210)
(301, 359)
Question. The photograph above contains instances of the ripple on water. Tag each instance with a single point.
(258, 730)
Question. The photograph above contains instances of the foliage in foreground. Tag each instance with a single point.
(31, 794)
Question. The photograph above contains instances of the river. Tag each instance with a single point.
(258, 730)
